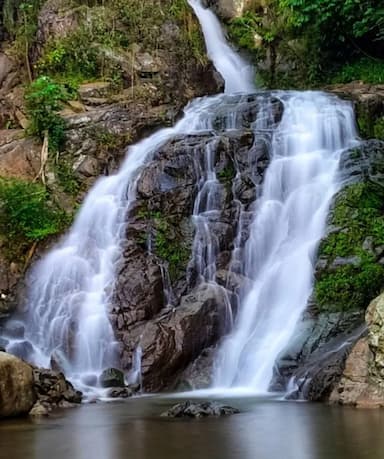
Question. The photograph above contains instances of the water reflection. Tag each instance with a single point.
(265, 430)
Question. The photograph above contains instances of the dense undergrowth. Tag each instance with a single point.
(28, 214)
(309, 43)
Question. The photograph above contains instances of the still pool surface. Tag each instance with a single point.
(134, 430)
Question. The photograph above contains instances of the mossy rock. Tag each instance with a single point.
(350, 270)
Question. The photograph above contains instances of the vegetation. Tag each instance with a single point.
(27, 215)
(321, 40)
(167, 243)
(358, 219)
(44, 99)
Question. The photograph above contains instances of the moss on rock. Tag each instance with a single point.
(351, 272)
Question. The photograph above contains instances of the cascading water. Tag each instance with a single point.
(289, 221)
(66, 319)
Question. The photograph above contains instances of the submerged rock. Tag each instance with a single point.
(190, 409)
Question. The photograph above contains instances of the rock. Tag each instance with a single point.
(190, 409)
(120, 392)
(368, 100)
(95, 89)
(354, 378)
(199, 373)
(55, 21)
(170, 342)
(147, 65)
(316, 356)
(87, 166)
(17, 394)
(38, 410)
(111, 377)
(229, 9)
(149, 285)
(19, 156)
(375, 321)
(362, 382)
(52, 388)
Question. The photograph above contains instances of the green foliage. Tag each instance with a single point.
(364, 69)
(167, 243)
(102, 47)
(44, 99)
(354, 18)
(242, 30)
(66, 178)
(27, 214)
(20, 17)
(358, 216)
(378, 129)
(338, 31)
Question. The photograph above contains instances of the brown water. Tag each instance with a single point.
(133, 429)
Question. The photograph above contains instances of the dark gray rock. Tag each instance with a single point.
(120, 392)
(315, 357)
(112, 377)
(190, 409)
(52, 388)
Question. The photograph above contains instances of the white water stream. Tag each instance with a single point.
(69, 291)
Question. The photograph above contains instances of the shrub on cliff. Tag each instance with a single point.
(44, 98)
(27, 214)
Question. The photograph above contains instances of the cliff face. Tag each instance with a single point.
(132, 81)
(126, 69)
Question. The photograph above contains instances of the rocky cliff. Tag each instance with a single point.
(162, 304)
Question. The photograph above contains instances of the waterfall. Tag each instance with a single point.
(289, 220)
(66, 322)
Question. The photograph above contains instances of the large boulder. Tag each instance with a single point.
(17, 393)
(362, 381)
(174, 339)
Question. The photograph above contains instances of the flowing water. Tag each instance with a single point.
(66, 320)
(69, 291)
(289, 221)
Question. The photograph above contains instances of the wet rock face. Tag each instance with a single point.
(177, 337)
(314, 361)
(158, 300)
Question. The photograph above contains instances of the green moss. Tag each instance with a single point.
(349, 287)
(227, 174)
(358, 214)
(27, 215)
(378, 129)
(168, 244)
